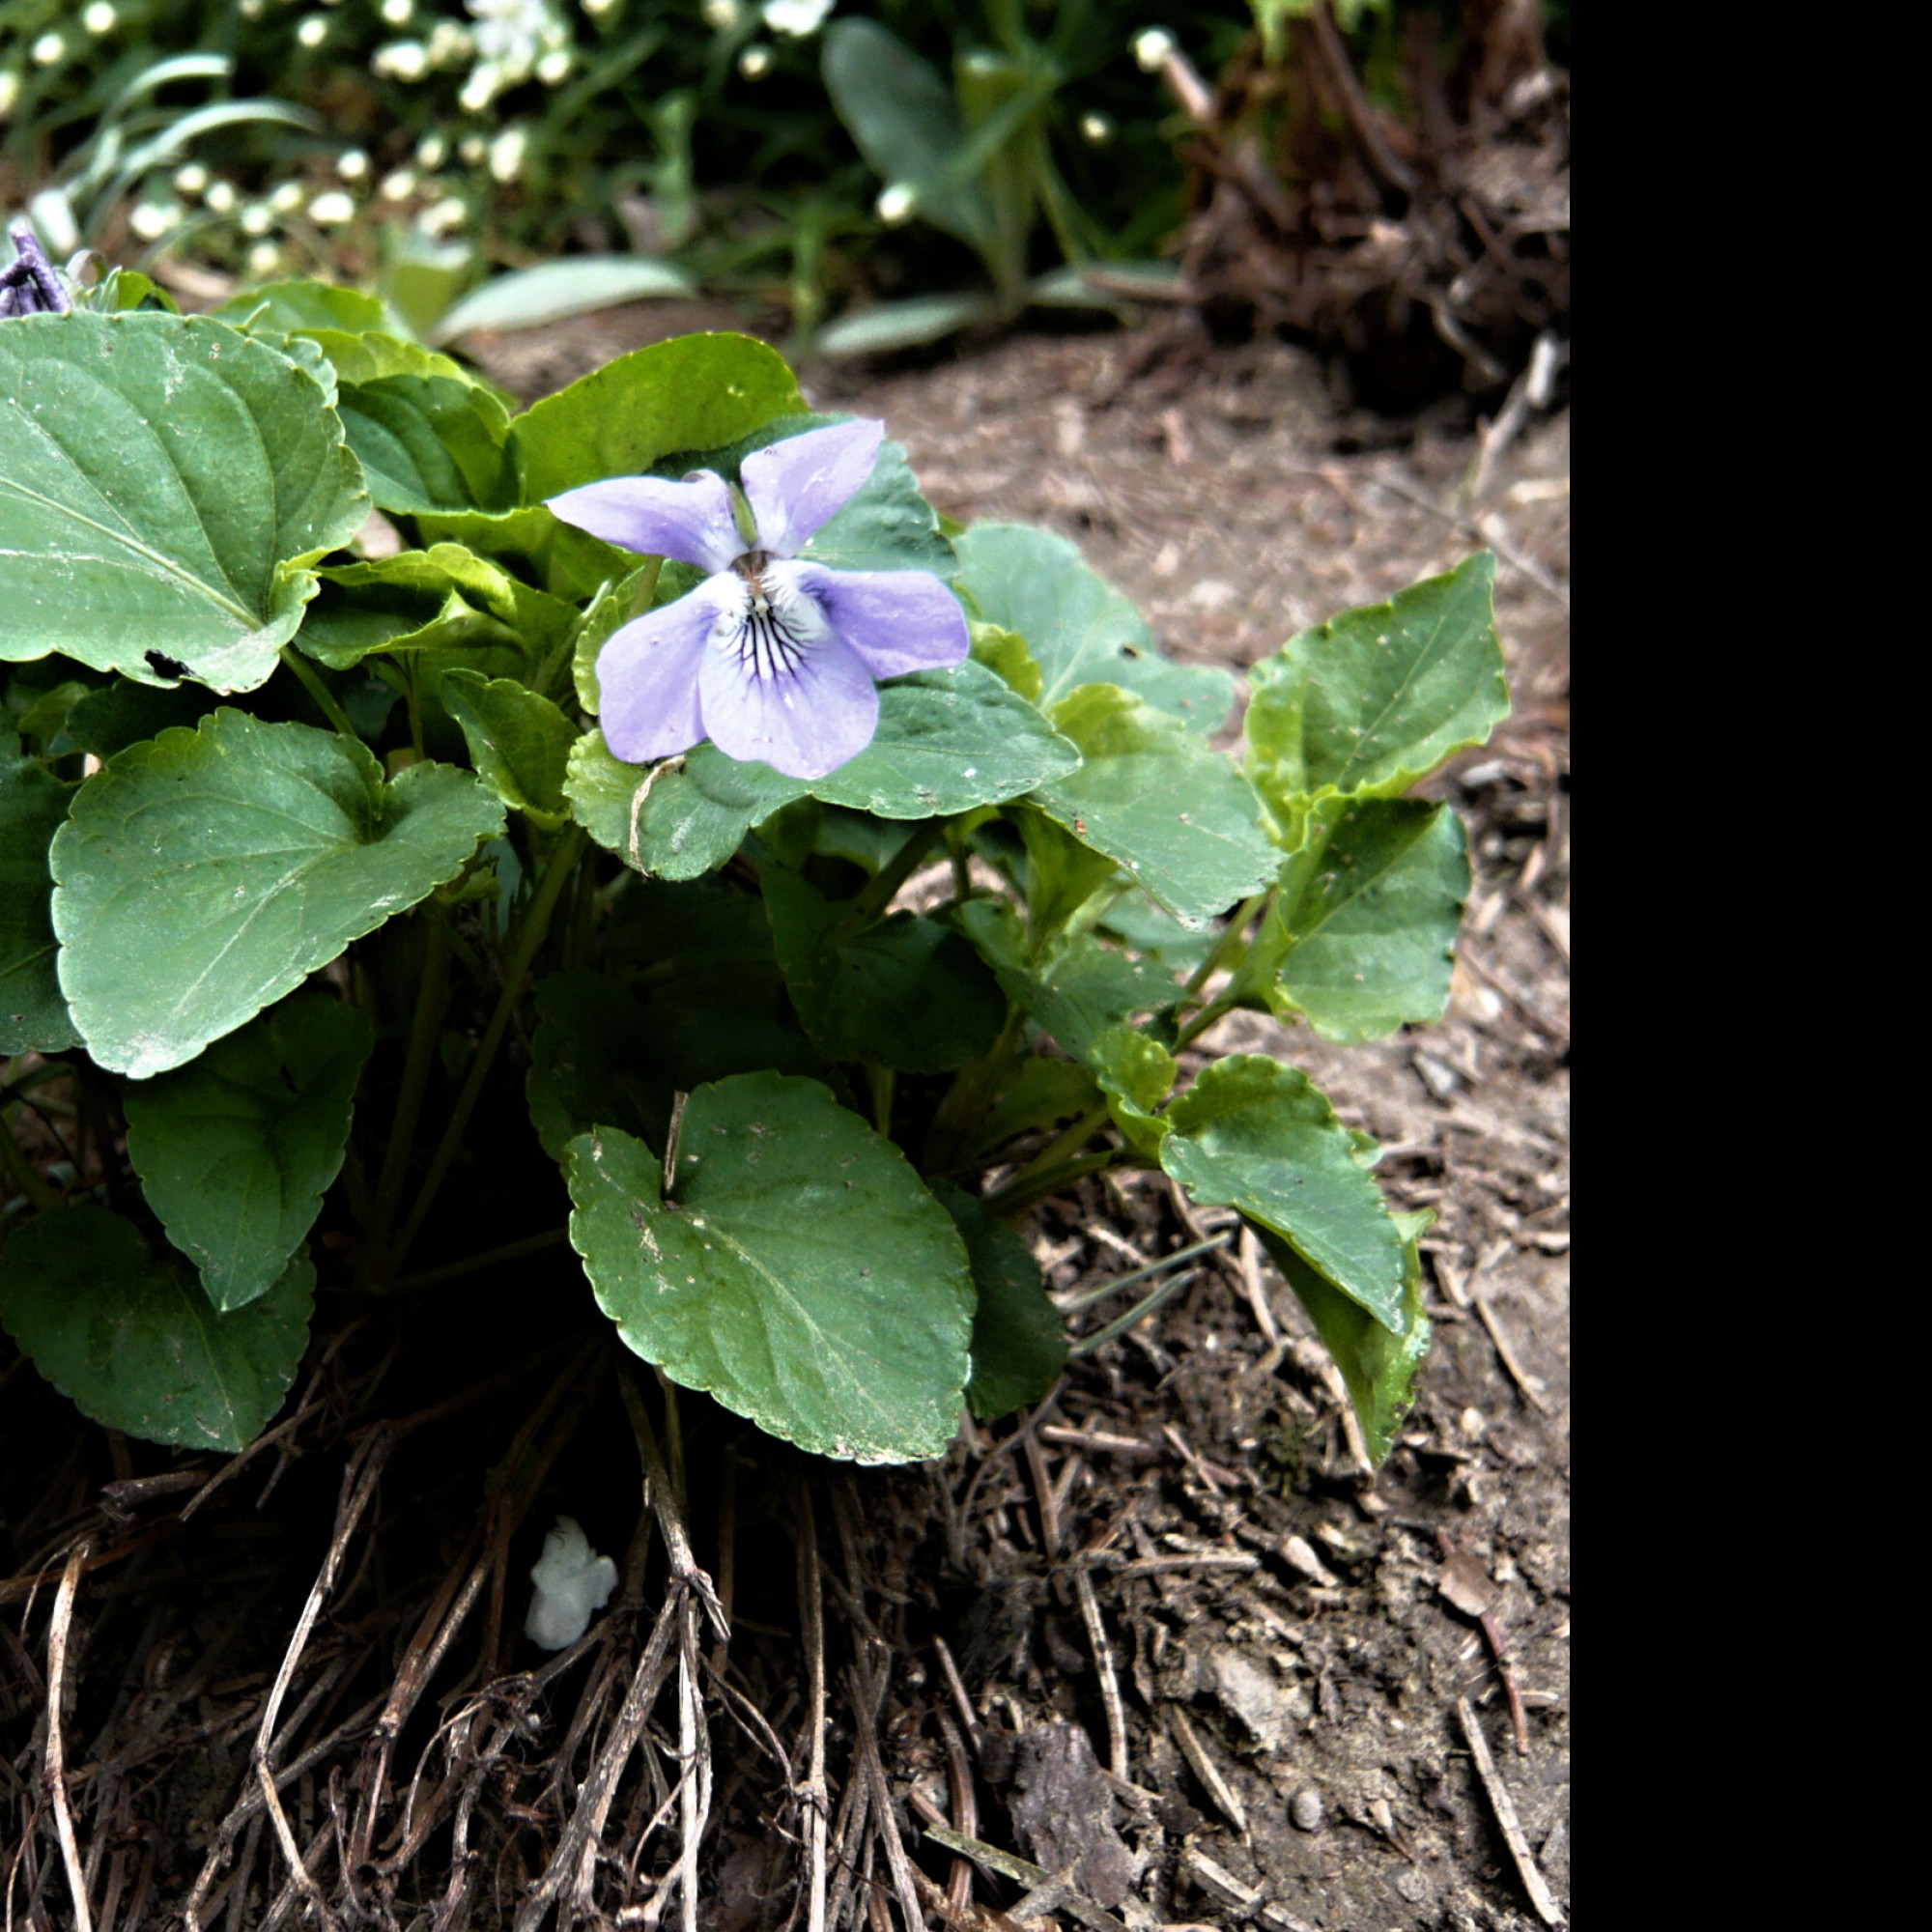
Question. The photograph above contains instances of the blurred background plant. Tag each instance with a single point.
(909, 167)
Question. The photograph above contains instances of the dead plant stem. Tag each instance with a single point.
(56, 1751)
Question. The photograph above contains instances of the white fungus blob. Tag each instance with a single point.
(572, 1583)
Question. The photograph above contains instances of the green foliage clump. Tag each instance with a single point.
(322, 892)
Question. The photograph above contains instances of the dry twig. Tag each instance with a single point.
(1205, 1768)
(1504, 1807)
(1103, 1662)
(56, 1751)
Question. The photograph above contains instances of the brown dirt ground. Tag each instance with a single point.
(1288, 1665)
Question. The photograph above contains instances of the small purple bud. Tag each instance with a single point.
(29, 286)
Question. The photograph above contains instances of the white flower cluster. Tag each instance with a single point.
(515, 39)
(449, 44)
(798, 18)
(165, 207)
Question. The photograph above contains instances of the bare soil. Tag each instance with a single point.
(1176, 1567)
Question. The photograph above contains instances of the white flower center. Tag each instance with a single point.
(764, 620)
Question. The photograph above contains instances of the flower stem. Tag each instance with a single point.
(510, 1251)
(881, 1081)
(312, 683)
(1230, 934)
(432, 996)
(531, 935)
(1014, 1199)
(895, 872)
(1212, 1011)
(974, 1090)
(1065, 1144)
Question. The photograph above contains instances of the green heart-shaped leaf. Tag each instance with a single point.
(133, 1342)
(1377, 1363)
(947, 741)
(1362, 938)
(303, 302)
(1078, 627)
(1376, 699)
(903, 993)
(696, 392)
(236, 1151)
(1254, 1134)
(535, 546)
(800, 1271)
(442, 598)
(519, 741)
(205, 873)
(1176, 816)
(165, 484)
(676, 820)
(1019, 1343)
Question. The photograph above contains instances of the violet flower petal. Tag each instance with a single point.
(691, 520)
(805, 723)
(897, 620)
(798, 486)
(647, 678)
(28, 284)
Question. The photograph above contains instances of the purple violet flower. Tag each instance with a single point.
(28, 284)
(773, 656)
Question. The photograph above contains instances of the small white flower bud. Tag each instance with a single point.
(445, 216)
(722, 15)
(1152, 47)
(256, 218)
(313, 31)
(798, 18)
(432, 151)
(264, 258)
(554, 70)
(399, 185)
(10, 91)
(332, 209)
(151, 220)
(1096, 129)
(473, 148)
(401, 60)
(506, 153)
(597, 9)
(99, 18)
(48, 50)
(220, 197)
(895, 203)
(191, 180)
(354, 166)
(397, 11)
(755, 62)
(288, 197)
